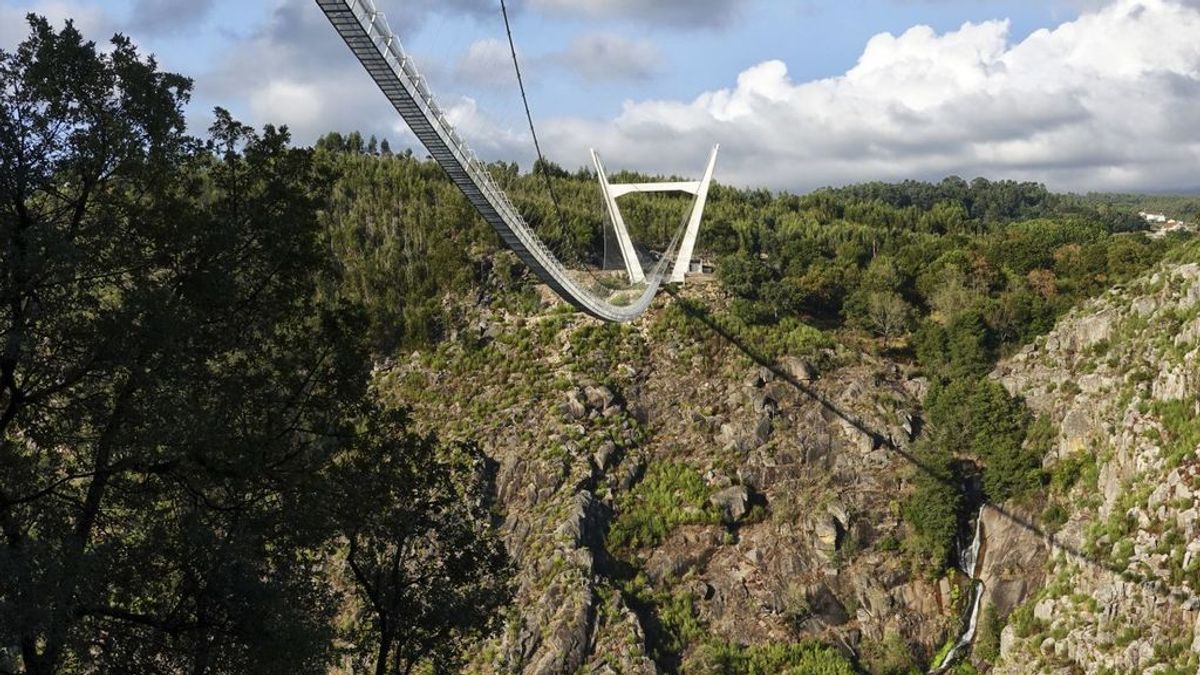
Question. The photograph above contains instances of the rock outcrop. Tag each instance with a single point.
(1120, 378)
(794, 538)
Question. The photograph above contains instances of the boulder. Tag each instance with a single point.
(686, 550)
(799, 369)
(599, 398)
(826, 532)
(762, 431)
(825, 607)
(733, 503)
(574, 407)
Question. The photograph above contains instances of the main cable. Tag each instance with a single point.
(537, 146)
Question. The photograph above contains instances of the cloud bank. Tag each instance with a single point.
(1108, 102)
(680, 13)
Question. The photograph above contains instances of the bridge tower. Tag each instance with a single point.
(613, 192)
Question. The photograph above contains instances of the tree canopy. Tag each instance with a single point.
(185, 421)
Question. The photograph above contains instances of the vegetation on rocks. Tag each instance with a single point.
(669, 495)
(270, 409)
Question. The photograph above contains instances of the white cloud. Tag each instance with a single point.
(302, 104)
(604, 56)
(488, 62)
(295, 71)
(1107, 101)
(687, 13)
(91, 21)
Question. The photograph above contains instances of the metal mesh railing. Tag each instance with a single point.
(382, 48)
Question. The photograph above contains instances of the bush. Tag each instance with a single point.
(1182, 423)
(893, 656)
(987, 641)
(671, 494)
(934, 509)
(806, 658)
(1054, 517)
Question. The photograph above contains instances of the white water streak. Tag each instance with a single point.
(969, 563)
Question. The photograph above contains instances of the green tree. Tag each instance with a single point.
(421, 549)
(175, 395)
(934, 509)
(968, 353)
(1000, 422)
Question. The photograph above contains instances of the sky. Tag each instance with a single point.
(1081, 95)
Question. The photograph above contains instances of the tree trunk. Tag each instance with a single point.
(75, 544)
(385, 646)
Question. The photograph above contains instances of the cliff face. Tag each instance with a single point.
(1119, 378)
(668, 492)
(664, 493)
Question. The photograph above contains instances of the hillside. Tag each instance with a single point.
(667, 497)
(676, 498)
(1120, 379)
(779, 463)
(273, 409)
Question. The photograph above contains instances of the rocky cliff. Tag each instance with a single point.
(1119, 380)
(672, 494)
(677, 495)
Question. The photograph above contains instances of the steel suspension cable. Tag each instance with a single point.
(537, 146)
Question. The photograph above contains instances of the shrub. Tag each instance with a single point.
(806, 658)
(1054, 517)
(671, 494)
(893, 656)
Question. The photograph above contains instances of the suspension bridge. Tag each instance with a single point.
(365, 30)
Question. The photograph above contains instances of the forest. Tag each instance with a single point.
(195, 471)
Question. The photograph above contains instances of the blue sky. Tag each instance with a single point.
(801, 93)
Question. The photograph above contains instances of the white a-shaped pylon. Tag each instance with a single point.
(613, 192)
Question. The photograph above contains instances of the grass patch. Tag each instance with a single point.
(1182, 425)
(670, 495)
(805, 658)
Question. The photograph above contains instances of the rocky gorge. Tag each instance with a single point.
(671, 495)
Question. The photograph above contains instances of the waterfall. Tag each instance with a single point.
(968, 562)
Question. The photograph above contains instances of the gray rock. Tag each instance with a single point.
(584, 522)
(1196, 639)
(604, 455)
(599, 398)
(825, 606)
(569, 639)
(1044, 610)
(574, 407)
(1173, 385)
(826, 532)
(798, 369)
(762, 431)
(1008, 640)
(840, 514)
(1092, 330)
(733, 503)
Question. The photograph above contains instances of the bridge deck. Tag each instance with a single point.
(366, 32)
